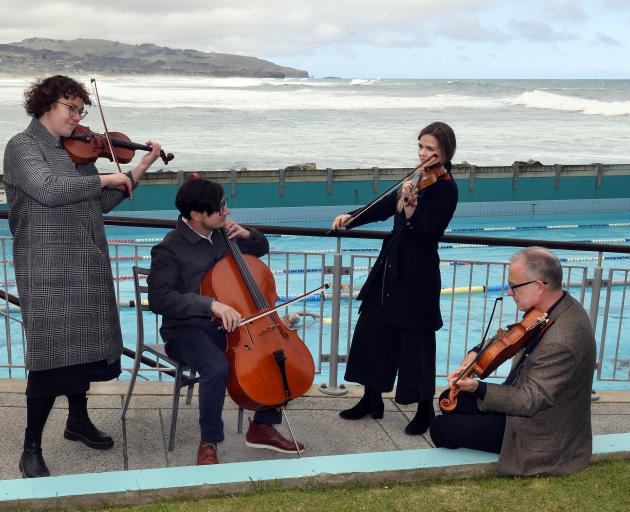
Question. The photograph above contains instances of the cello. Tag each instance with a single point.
(269, 364)
(500, 348)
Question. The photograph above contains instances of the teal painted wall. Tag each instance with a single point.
(256, 195)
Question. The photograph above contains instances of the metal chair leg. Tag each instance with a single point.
(176, 389)
(189, 394)
(132, 383)
(239, 425)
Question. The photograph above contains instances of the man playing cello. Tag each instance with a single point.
(178, 265)
(539, 419)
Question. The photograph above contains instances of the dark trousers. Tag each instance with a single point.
(468, 427)
(379, 351)
(204, 350)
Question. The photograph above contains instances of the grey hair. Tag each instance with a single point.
(540, 263)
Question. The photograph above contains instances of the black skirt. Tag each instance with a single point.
(380, 350)
(70, 380)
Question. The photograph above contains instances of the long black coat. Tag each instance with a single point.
(406, 274)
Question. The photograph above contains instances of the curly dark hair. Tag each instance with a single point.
(40, 97)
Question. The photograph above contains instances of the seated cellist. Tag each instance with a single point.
(539, 419)
(178, 265)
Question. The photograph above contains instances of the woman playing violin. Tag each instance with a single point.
(539, 419)
(62, 266)
(400, 310)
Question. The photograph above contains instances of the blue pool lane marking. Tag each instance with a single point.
(86, 484)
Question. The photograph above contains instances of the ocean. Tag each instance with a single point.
(222, 123)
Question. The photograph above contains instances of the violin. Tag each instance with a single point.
(268, 363)
(425, 178)
(84, 147)
(417, 173)
(499, 349)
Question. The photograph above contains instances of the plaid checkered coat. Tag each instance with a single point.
(60, 253)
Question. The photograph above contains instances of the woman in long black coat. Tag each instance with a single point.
(400, 309)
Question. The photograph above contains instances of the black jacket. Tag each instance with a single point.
(406, 274)
(179, 264)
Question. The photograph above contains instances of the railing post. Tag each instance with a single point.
(7, 326)
(594, 309)
(595, 291)
(331, 388)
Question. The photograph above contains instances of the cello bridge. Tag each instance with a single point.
(268, 328)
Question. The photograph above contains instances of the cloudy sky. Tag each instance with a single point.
(360, 38)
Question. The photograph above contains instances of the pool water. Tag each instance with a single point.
(470, 312)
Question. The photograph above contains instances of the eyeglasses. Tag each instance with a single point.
(515, 286)
(222, 206)
(74, 110)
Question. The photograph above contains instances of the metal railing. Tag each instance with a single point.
(469, 289)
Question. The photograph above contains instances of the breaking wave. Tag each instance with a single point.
(550, 101)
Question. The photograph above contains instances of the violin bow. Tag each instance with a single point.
(419, 168)
(266, 312)
(106, 131)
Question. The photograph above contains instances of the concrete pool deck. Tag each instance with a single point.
(140, 468)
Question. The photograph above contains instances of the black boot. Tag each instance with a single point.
(371, 403)
(79, 427)
(422, 420)
(32, 463)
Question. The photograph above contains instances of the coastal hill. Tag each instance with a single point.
(103, 56)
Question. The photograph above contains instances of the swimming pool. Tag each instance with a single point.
(297, 262)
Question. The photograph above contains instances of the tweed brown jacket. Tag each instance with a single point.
(548, 408)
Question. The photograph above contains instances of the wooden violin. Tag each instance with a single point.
(426, 177)
(415, 174)
(499, 349)
(84, 146)
(268, 363)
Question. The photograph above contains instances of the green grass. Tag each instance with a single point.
(604, 486)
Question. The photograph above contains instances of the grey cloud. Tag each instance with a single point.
(273, 27)
(607, 40)
(570, 10)
(616, 4)
(536, 30)
(467, 27)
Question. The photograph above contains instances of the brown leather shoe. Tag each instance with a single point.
(206, 453)
(261, 435)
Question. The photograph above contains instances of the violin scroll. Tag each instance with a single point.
(166, 157)
(448, 403)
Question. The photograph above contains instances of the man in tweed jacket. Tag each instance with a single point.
(62, 266)
(539, 420)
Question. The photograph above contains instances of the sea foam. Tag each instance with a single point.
(547, 100)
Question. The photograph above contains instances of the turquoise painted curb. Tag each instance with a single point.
(259, 471)
(238, 472)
